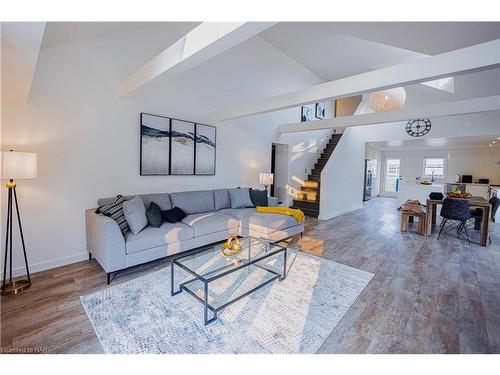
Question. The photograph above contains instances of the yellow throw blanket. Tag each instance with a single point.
(296, 213)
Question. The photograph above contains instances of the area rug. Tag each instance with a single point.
(292, 316)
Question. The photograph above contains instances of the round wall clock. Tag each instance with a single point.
(419, 127)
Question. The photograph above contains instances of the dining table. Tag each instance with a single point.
(474, 202)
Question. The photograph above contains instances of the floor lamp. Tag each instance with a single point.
(15, 165)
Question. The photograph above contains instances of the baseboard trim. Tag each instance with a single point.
(44, 266)
(338, 213)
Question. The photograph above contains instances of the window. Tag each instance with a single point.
(434, 167)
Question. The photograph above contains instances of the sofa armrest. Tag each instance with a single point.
(105, 241)
(272, 201)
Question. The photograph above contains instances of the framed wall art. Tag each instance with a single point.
(306, 113)
(319, 112)
(182, 148)
(170, 146)
(155, 145)
(205, 149)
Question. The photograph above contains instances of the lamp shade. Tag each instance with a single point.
(266, 178)
(17, 165)
(387, 100)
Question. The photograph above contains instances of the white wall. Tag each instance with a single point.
(479, 162)
(87, 137)
(342, 178)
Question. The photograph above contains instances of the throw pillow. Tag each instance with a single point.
(135, 214)
(114, 210)
(240, 198)
(153, 213)
(173, 215)
(258, 197)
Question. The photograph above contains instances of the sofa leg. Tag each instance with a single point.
(301, 235)
(108, 277)
(90, 255)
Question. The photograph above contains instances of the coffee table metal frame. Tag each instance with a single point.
(207, 280)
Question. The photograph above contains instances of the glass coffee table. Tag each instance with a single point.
(217, 280)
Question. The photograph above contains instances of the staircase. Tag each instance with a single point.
(308, 197)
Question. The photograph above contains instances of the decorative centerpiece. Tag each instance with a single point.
(231, 247)
(456, 193)
(459, 195)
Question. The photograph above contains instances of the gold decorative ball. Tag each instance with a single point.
(232, 246)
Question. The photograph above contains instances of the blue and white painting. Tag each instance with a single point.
(205, 149)
(182, 158)
(155, 145)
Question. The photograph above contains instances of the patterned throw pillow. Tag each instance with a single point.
(115, 211)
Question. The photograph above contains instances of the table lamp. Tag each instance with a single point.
(266, 179)
(15, 165)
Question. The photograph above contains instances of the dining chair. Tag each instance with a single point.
(455, 213)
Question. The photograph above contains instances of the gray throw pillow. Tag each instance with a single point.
(135, 214)
(240, 198)
(153, 213)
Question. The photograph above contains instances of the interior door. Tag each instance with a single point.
(392, 176)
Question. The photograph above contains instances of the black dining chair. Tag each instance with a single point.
(477, 214)
(455, 213)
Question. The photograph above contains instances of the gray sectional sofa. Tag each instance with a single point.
(210, 219)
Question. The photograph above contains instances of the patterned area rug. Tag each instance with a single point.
(292, 316)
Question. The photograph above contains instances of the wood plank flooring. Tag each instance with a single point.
(427, 296)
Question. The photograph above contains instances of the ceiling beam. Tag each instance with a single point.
(205, 41)
(20, 46)
(466, 60)
(459, 107)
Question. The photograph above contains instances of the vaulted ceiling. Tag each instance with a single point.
(326, 51)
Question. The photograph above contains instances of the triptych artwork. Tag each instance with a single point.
(176, 147)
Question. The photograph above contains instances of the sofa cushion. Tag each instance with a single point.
(221, 199)
(211, 222)
(151, 237)
(240, 198)
(193, 202)
(161, 199)
(135, 214)
(261, 222)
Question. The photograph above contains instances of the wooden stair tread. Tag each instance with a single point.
(305, 201)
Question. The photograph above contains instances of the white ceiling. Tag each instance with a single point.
(20, 47)
(333, 55)
(336, 50)
(430, 143)
(425, 37)
(58, 33)
(253, 70)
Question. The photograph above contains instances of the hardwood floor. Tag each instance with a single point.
(427, 296)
